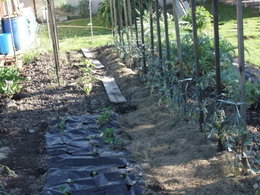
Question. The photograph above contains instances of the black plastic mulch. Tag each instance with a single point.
(80, 162)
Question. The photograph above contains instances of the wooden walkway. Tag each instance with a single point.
(113, 92)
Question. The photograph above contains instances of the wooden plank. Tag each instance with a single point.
(87, 53)
(97, 64)
(113, 91)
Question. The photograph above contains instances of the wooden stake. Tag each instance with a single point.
(151, 27)
(54, 38)
(158, 30)
(179, 46)
(167, 41)
(197, 61)
(116, 20)
(217, 52)
(130, 17)
(91, 21)
(241, 60)
(142, 36)
(112, 17)
(135, 22)
(11, 29)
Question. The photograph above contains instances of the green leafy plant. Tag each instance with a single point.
(203, 17)
(65, 190)
(62, 123)
(253, 94)
(106, 116)
(108, 135)
(94, 173)
(86, 81)
(10, 80)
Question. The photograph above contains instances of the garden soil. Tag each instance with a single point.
(171, 153)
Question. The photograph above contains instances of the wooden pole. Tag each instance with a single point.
(53, 18)
(35, 9)
(130, 17)
(179, 46)
(197, 61)
(158, 30)
(120, 22)
(48, 23)
(91, 21)
(135, 23)
(217, 52)
(142, 35)
(126, 22)
(241, 60)
(151, 27)
(112, 17)
(54, 38)
(167, 41)
(115, 18)
(11, 28)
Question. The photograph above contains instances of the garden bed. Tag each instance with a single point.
(173, 156)
(24, 118)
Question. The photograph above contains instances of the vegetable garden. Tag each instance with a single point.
(180, 68)
(191, 68)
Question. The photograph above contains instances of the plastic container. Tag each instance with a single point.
(6, 45)
(20, 31)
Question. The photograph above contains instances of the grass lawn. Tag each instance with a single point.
(73, 35)
(228, 25)
(76, 34)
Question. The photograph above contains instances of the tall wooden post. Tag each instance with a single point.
(91, 21)
(158, 30)
(197, 61)
(115, 19)
(112, 17)
(142, 36)
(179, 46)
(126, 22)
(217, 61)
(120, 22)
(53, 18)
(151, 27)
(35, 9)
(135, 23)
(167, 41)
(217, 53)
(241, 60)
(130, 17)
(52, 23)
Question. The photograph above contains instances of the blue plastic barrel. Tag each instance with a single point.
(6, 44)
(20, 31)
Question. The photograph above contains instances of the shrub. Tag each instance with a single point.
(207, 53)
(68, 8)
(84, 8)
(202, 15)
